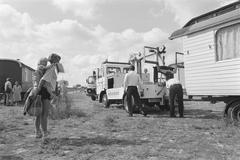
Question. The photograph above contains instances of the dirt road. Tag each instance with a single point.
(107, 134)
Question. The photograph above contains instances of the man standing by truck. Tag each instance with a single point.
(174, 87)
(131, 82)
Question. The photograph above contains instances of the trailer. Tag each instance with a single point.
(211, 47)
(17, 71)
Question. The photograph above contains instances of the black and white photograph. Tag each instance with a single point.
(119, 80)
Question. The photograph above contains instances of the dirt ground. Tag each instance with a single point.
(96, 133)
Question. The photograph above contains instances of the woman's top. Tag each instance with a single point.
(17, 89)
(37, 75)
(50, 77)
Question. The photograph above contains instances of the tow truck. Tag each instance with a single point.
(110, 77)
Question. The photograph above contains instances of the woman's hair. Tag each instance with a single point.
(54, 58)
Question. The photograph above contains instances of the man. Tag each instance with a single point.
(175, 90)
(8, 91)
(131, 82)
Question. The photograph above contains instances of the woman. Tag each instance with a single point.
(17, 89)
(45, 88)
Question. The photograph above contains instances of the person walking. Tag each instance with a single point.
(131, 82)
(8, 91)
(17, 89)
(175, 89)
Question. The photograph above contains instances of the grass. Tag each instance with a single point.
(111, 134)
(110, 121)
(2, 126)
(62, 109)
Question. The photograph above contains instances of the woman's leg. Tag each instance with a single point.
(37, 126)
(44, 116)
(7, 99)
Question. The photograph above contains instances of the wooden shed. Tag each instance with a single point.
(211, 46)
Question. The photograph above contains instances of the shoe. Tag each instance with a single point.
(39, 134)
(173, 116)
(181, 116)
(46, 134)
(143, 113)
(130, 115)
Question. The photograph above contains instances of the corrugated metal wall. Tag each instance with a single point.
(205, 76)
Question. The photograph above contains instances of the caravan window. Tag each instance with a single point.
(227, 43)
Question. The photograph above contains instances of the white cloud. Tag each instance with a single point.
(185, 10)
(13, 24)
(82, 48)
(83, 8)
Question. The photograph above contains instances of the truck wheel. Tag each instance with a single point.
(93, 98)
(233, 113)
(105, 101)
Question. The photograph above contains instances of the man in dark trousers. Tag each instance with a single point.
(175, 90)
(131, 82)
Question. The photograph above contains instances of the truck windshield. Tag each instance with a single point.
(112, 70)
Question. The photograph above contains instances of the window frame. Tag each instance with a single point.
(216, 44)
(114, 68)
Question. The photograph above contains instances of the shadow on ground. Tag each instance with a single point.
(10, 157)
(189, 113)
(99, 140)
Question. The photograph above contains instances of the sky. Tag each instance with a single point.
(87, 32)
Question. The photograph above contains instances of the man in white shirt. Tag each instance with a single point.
(175, 90)
(131, 82)
(8, 92)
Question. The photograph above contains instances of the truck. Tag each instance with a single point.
(91, 86)
(110, 77)
(212, 57)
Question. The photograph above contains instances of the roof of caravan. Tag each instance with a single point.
(17, 61)
(213, 18)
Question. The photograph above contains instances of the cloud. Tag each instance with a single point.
(14, 25)
(83, 8)
(82, 48)
(184, 10)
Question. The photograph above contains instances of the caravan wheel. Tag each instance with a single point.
(233, 113)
